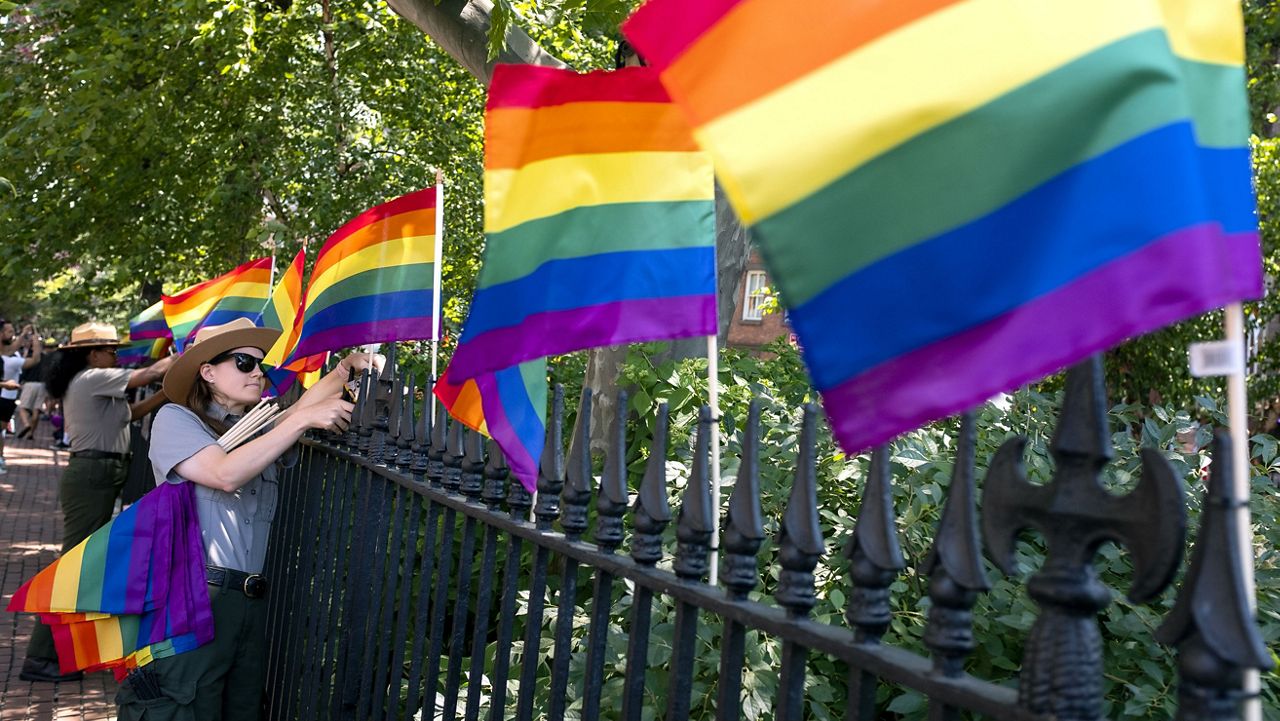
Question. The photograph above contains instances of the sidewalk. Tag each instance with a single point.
(30, 538)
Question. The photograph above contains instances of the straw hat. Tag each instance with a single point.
(93, 335)
(208, 344)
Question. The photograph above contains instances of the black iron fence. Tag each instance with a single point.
(412, 578)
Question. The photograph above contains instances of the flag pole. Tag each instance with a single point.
(1237, 419)
(713, 394)
(435, 285)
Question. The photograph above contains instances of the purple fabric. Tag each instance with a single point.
(558, 332)
(383, 331)
(1180, 275)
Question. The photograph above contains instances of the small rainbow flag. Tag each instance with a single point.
(240, 293)
(134, 590)
(150, 324)
(599, 219)
(955, 198)
(133, 352)
(372, 281)
(509, 406)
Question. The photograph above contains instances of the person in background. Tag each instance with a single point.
(14, 362)
(83, 374)
(31, 400)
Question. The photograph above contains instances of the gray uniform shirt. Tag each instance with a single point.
(235, 526)
(96, 410)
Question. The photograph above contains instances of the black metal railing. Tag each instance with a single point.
(412, 578)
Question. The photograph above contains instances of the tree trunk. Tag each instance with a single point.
(461, 28)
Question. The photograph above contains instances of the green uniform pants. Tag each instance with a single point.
(88, 491)
(222, 680)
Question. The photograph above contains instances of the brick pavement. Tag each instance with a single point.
(30, 537)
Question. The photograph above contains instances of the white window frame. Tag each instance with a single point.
(753, 295)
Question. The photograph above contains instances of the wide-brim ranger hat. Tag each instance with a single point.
(208, 344)
(93, 335)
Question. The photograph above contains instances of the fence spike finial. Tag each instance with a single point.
(744, 526)
(874, 552)
(496, 473)
(439, 446)
(1211, 623)
(551, 465)
(455, 450)
(611, 502)
(407, 427)
(652, 509)
(954, 563)
(695, 524)
(576, 494)
(800, 538)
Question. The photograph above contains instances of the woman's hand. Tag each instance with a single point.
(358, 362)
(331, 414)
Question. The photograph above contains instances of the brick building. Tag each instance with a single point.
(751, 327)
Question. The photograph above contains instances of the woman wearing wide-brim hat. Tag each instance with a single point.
(97, 413)
(211, 385)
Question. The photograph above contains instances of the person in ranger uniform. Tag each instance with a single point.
(212, 385)
(97, 414)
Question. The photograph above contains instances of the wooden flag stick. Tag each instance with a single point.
(1237, 417)
(713, 396)
(435, 285)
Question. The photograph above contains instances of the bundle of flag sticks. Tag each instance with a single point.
(248, 426)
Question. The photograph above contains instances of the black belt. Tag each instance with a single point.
(99, 455)
(252, 585)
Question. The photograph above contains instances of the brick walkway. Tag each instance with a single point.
(30, 537)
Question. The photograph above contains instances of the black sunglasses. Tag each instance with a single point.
(245, 363)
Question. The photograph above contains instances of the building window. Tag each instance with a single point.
(753, 295)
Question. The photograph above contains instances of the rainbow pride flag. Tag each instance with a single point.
(955, 198)
(240, 293)
(132, 353)
(283, 312)
(150, 324)
(599, 219)
(372, 281)
(509, 406)
(131, 592)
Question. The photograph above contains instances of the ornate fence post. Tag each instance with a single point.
(800, 545)
(1062, 666)
(694, 527)
(739, 572)
(954, 565)
(1211, 622)
(652, 514)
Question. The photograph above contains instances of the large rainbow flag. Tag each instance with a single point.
(240, 293)
(599, 219)
(954, 198)
(509, 406)
(150, 324)
(131, 592)
(372, 281)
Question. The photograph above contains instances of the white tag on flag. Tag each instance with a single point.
(1216, 358)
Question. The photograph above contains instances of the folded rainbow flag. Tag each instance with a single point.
(599, 219)
(150, 324)
(131, 592)
(509, 406)
(372, 281)
(954, 198)
(240, 293)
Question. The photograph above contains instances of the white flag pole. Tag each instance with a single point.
(713, 388)
(1237, 418)
(435, 285)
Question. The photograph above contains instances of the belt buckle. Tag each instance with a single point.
(255, 586)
